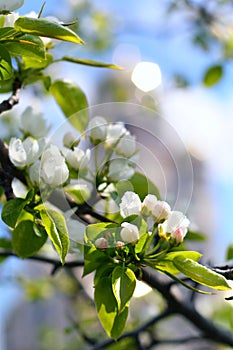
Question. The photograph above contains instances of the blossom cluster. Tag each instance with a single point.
(46, 165)
(171, 224)
(120, 147)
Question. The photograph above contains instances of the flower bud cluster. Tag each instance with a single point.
(119, 145)
(171, 224)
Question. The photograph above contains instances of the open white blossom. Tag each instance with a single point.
(126, 146)
(34, 173)
(10, 5)
(176, 224)
(161, 210)
(33, 123)
(130, 204)
(54, 171)
(148, 204)
(23, 153)
(129, 232)
(70, 140)
(97, 129)
(114, 132)
(119, 170)
(77, 158)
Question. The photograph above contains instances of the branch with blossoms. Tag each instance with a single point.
(129, 229)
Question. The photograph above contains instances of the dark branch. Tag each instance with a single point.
(13, 100)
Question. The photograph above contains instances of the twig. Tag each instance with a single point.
(13, 100)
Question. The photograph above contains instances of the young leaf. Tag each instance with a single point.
(43, 27)
(56, 229)
(7, 33)
(119, 323)
(72, 102)
(106, 303)
(229, 254)
(37, 64)
(87, 62)
(5, 64)
(93, 259)
(11, 211)
(200, 273)
(6, 85)
(167, 264)
(123, 284)
(213, 75)
(26, 46)
(5, 243)
(25, 241)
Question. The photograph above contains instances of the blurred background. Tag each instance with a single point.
(177, 62)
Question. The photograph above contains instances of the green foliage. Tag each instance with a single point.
(229, 254)
(213, 75)
(55, 226)
(26, 46)
(76, 109)
(91, 63)
(5, 64)
(25, 239)
(200, 273)
(43, 27)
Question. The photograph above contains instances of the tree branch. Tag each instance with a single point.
(13, 100)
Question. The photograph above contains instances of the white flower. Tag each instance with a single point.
(148, 204)
(161, 210)
(54, 171)
(114, 132)
(126, 146)
(130, 204)
(10, 5)
(33, 123)
(101, 243)
(97, 129)
(34, 173)
(23, 153)
(77, 158)
(70, 140)
(10, 19)
(129, 232)
(120, 169)
(176, 224)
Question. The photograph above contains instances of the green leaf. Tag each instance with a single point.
(25, 241)
(140, 184)
(7, 33)
(106, 305)
(213, 75)
(6, 85)
(5, 243)
(167, 264)
(195, 236)
(229, 254)
(12, 210)
(5, 64)
(43, 27)
(87, 62)
(123, 284)
(55, 226)
(200, 273)
(38, 64)
(27, 46)
(72, 102)
(93, 259)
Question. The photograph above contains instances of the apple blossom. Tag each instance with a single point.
(120, 169)
(23, 153)
(34, 173)
(70, 140)
(77, 158)
(129, 232)
(114, 132)
(126, 146)
(54, 171)
(98, 129)
(176, 225)
(10, 5)
(101, 243)
(33, 123)
(130, 204)
(148, 204)
(161, 210)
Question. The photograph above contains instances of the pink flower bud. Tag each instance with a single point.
(101, 243)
